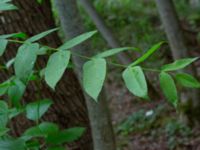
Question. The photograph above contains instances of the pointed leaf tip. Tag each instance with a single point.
(94, 73)
(56, 67)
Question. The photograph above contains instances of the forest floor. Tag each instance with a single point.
(147, 125)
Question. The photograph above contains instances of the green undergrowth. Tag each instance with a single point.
(154, 123)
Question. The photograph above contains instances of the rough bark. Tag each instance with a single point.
(173, 30)
(69, 109)
(72, 25)
(179, 50)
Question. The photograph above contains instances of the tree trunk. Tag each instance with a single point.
(176, 39)
(72, 25)
(69, 109)
(195, 4)
(104, 30)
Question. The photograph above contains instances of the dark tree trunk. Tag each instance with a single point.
(102, 131)
(69, 107)
(170, 20)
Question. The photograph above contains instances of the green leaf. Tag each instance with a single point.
(20, 35)
(39, 1)
(3, 45)
(178, 64)
(49, 128)
(35, 110)
(135, 81)
(33, 132)
(56, 66)
(16, 92)
(33, 144)
(33, 77)
(3, 114)
(5, 1)
(42, 130)
(42, 72)
(68, 135)
(94, 73)
(4, 87)
(10, 63)
(77, 40)
(12, 144)
(41, 35)
(42, 51)
(13, 112)
(187, 80)
(114, 51)
(147, 54)
(169, 88)
(56, 148)
(25, 60)
(3, 131)
(5, 5)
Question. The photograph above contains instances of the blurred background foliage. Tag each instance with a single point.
(136, 22)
